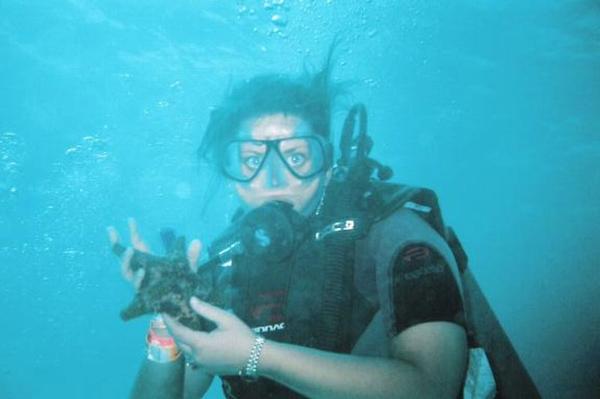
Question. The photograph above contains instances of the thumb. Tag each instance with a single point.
(220, 317)
(193, 254)
(113, 235)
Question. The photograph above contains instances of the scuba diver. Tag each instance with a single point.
(361, 297)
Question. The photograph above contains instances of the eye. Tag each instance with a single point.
(252, 161)
(296, 159)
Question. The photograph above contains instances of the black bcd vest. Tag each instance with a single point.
(310, 299)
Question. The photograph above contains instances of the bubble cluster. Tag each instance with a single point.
(82, 175)
(270, 17)
(91, 149)
(12, 155)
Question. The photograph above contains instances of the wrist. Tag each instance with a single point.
(160, 346)
(269, 363)
(250, 369)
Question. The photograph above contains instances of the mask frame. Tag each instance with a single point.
(274, 145)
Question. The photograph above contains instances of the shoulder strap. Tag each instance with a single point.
(389, 198)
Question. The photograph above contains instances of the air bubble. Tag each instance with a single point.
(72, 252)
(12, 153)
(11, 166)
(279, 20)
(71, 150)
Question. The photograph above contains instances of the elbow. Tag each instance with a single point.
(440, 391)
(428, 385)
(430, 388)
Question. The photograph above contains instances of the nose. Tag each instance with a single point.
(274, 170)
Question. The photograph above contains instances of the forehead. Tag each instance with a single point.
(273, 126)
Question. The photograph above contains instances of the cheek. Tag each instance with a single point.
(305, 194)
(307, 189)
(247, 194)
(300, 193)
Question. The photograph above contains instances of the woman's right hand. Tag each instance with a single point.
(193, 252)
(138, 244)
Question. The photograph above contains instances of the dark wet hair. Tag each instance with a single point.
(310, 96)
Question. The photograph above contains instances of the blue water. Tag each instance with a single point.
(494, 104)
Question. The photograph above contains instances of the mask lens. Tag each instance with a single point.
(243, 159)
(304, 156)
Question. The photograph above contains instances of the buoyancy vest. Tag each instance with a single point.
(315, 299)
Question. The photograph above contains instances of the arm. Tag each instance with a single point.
(154, 379)
(428, 349)
(170, 380)
(428, 360)
(159, 380)
(196, 383)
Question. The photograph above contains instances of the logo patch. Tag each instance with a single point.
(270, 328)
(415, 253)
(419, 261)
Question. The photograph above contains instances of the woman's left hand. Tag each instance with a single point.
(224, 350)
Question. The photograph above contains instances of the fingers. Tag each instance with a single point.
(220, 317)
(134, 277)
(113, 236)
(136, 240)
(183, 335)
(193, 254)
(185, 348)
(125, 265)
(138, 277)
(183, 338)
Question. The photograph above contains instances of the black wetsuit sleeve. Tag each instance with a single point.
(424, 288)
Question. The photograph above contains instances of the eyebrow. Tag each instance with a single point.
(294, 143)
(294, 148)
(252, 145)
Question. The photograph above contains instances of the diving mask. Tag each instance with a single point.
(303, 156)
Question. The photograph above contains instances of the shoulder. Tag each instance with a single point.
(402, 216)
(417, 276)
(401, 230)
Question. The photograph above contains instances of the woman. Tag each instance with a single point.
(271, 138)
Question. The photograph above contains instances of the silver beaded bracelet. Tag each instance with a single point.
(249, 372)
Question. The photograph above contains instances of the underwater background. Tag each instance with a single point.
(493, 104)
